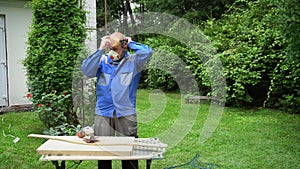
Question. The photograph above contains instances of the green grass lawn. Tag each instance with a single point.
(244, 138)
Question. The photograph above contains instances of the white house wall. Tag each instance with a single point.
(17, 22)
(18, 19)
(91, 41)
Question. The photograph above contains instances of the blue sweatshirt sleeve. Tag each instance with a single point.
(142, 53)
(90, 65)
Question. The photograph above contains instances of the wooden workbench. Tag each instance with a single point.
(125, 148)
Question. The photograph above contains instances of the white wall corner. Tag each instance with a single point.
(90, 7)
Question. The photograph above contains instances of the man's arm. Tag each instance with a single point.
(142, 53)
(90, 65)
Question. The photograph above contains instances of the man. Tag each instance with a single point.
(118, 74)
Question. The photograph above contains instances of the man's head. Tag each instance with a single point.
(118, 46)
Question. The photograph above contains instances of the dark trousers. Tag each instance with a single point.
(122, 126)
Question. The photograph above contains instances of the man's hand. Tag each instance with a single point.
(105, 43)
(128, 39)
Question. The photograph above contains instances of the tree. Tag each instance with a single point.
(193, 10)
(116, 10)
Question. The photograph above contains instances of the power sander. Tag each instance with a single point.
(87, 133)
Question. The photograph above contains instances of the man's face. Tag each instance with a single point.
(116, 51)
(116, 46)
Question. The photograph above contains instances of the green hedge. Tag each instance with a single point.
(55, 41)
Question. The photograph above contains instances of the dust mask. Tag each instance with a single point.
(114, 56)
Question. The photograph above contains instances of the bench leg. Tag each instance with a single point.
(62, 165)
(148, 164)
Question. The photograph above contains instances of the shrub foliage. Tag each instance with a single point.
(258, 44)
(254, 47)
(55, 41)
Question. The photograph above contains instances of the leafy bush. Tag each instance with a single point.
(258, 44)
(63, 129)
(250, 49)
(172, 63)
(257, 41)
(52, 108)
(54, 43)
(284, 91)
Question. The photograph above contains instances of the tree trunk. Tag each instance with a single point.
(133, 30)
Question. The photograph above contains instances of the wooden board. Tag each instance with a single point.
(98, 140)
(73, 158)
(63, 148)
(106, 141)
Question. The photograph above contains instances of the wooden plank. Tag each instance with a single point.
(100, 140)
(196, 99)
(132, 157)
(62, 148)
(106, 140)
(199, 98)
(16, 108)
